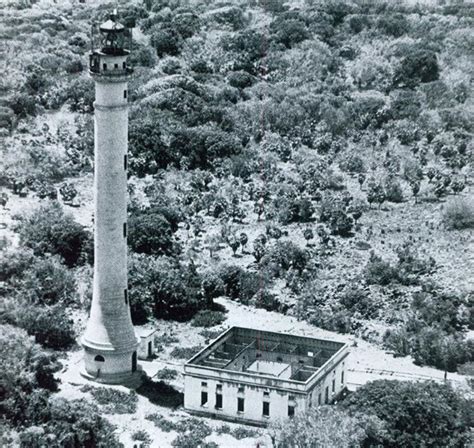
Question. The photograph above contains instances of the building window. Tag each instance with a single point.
(124, 65)
(266, 409)
(240, 404)
(115, 65)
(203, 384)
(203, 398)
(218, 400)
(279, 359)
(266, 393)
(319, 399)
(258, 355)
(125, 162)
(291, 411)
(342, 377)
(104, 67)
(291, 397)
(124, 229)
(241, 389)
(125, 294)
(333, 386)
(125, 94)
(326, 397)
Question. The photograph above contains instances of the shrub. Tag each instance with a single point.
(185, 352)
(166, 374)
(433, 347)
(50, 326)
(74, 422)
(393, 190)
(161, 422)
(333, 320)
(398, 341)
(49, 230)
(242, 433)
(459, 214)
(208, 318)
(23, 104)
(414, 413)
(285, 255)
(379, 272)
(357, 299)
(142, 436)
(113, 400)
(266, 300)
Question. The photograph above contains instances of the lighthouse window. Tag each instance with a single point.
(125, 293)
(99, 358)
(104, 66)
(124, 229)
(125, 94)
(125, 162)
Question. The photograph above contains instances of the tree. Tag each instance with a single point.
(49, 230)
(233, 243)
(151, 233)
(47, 282)
(243, 238)
(418, 66)
(376, 193)
(414, 413)
(323, 426)
(50, 325)
(308, 234)
(164, 288)
(258, 250)
(415, 188)
(24, 368)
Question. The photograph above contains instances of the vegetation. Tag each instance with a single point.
(312, 158)
(414, 414)
(49, 230)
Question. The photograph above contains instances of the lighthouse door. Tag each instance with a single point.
(134, 361)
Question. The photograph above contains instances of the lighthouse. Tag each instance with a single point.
(109, 342)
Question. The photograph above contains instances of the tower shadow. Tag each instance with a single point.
(160, 393)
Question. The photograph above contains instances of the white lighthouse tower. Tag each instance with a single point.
(109, 342)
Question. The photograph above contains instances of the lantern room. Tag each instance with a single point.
(110, 48)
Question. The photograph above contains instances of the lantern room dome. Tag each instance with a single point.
(111, 26)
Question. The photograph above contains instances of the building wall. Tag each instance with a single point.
(254, 397)
(253, 400)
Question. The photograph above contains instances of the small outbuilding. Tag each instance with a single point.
(146, 348)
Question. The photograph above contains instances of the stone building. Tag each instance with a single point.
(252, 376)
(110, 344)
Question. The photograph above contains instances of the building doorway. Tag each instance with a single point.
(134, 362)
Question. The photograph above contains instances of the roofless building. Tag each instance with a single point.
(252, 376)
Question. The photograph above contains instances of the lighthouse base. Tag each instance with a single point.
(131, 380)
(111, 367)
